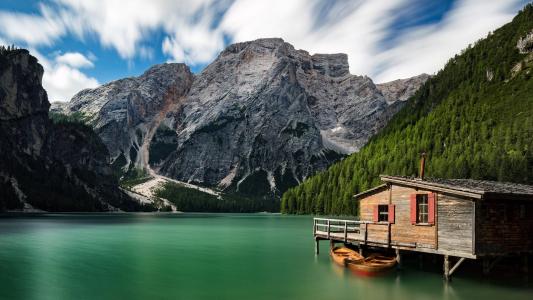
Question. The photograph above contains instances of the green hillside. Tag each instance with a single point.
(474, 119)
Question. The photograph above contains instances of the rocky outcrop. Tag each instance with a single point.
(259, 119)
(401, 89)
(275, 115)
(525, 44)
(47, 166)
(125, 113)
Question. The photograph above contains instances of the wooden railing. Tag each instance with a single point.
(343, 230)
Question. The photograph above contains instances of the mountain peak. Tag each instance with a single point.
(261, 111)
(165, 68)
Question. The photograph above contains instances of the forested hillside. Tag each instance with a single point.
(474, 119)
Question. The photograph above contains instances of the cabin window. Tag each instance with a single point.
(383, 213)
(422, 207)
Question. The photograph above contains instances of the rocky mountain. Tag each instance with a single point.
(47, 166)
(259, 119)
(126, 112)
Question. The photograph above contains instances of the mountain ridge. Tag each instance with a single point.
(290, 113)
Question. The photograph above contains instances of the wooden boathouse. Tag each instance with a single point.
(456, 218)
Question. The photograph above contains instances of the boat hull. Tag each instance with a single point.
(372, 265)
(341, 254)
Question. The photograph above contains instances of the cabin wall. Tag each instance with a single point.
(455, 224)
(500, 228)
(452, 232)
(375, 232)
(403, 233)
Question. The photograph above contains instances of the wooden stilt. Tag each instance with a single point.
(398, 259)
(447, 268)
(361, 250)
(317, 246)
(331, 244)
(486, 266)
(525, 264)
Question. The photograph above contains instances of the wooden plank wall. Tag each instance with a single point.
(402, 231)
(455, 224)
(500, 228)
(376, 232)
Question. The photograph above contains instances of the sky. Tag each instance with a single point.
(85, 43)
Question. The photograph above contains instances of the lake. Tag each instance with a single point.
(198, 256)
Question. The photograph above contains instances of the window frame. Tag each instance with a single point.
(422, 217)
(383, 210)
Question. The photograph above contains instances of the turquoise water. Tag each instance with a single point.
(197, 256)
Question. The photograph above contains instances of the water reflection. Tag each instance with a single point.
(198, 256)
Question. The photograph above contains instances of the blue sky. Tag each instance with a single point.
(83, 44)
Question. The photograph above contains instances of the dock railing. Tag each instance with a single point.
(341, 230)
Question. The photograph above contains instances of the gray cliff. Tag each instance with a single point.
(43, 165)
(259, 119)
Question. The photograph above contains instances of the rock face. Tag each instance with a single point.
(401, 89)
(259, 119)
(525, 44)
(126, 112)
(263, 116)
(52, 167)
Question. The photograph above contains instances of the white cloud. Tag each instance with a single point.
(194, 30)
(193, 45)
(61, 78)
(427, 48)
(32, 30)
(356, 33)
(75, 60)
(359, 30)
(124, 26)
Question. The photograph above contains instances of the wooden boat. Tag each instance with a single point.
(341, 254)
(374, 264)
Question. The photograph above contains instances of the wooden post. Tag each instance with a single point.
(525, 264)
(447, 268)
(331, 244)
(345, 231)
(388, 235)
(328, 229)
(317, 246)
(486, 266)
(366, 232)
(361, 250)
(398, 259)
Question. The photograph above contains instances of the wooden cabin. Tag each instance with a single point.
(457, 218)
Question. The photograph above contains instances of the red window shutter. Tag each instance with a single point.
(391, 213)
(413, 208)
(431, 208)
(376, 212)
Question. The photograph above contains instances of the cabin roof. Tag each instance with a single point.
(371, 191)
(478, 189)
